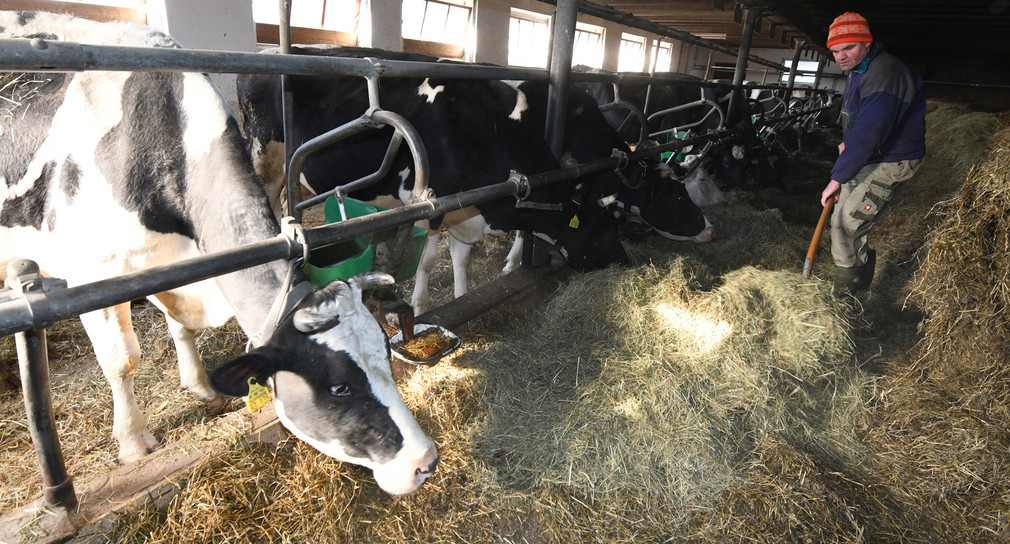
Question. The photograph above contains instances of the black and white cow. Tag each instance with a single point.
(475, 132)
(106, 173)
(644, 189)
(473, 135)
(735, 158)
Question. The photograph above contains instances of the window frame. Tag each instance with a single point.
(440, 48)
(536, 19)
(803, 76)
(583, 32)
(641, 42)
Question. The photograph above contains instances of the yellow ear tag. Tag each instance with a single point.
(574, 223)
(258, 396)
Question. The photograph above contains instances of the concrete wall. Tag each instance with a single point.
(380, 24)
(222, 25)
(491, 20)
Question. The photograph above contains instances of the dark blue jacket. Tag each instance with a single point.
(883, 114)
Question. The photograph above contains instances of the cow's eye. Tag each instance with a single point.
(340, 390)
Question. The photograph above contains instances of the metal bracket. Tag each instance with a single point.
(25, 282)
(523, 183)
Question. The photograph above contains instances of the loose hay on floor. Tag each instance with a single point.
(626, 408)
(946, 445)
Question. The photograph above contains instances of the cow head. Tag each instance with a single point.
(589, 236)
(662, 202)
(328, 365)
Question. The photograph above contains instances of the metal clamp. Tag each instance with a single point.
(523, 184)
(25, 282)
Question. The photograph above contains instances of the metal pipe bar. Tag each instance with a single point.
(417, 150)
(33, 360)
(37, 310)
(561, 67)
(746, 37)
(634, 111)
(287, 106)
(364, 181)
(700, 102)
(372, 119)
(325, 139)
(39, 55)
(794, 68)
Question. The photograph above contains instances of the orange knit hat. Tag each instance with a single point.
(849, 27)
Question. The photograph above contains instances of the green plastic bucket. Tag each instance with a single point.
(665, 156)
(346, 259)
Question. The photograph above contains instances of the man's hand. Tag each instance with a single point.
(841, 147)
(830, 191)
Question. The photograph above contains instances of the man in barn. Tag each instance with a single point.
(884, 140)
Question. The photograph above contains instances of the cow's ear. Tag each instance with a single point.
(232, 378)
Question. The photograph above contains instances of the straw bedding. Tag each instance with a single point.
(708, 393)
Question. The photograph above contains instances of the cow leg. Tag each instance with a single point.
(118, 352)
(460, 253)
(192, 374)
(515, 256)
(421, 299)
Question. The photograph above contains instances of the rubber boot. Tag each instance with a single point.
(866, 275)
(855, 278)
(846, 280)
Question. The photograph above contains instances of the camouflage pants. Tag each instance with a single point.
(860, 202)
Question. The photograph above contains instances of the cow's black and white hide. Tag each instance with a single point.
(644, 189)
(474, 136)
(106, 173)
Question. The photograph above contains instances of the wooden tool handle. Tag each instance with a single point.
(808, 263)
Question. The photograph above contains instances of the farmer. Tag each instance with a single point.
(883, 142)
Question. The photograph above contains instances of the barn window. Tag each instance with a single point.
(529, 39)
(632, 56)
(429, 26)
(436, 20)
(806, 71)
(312, 21)
(588, 49)
(662, 56)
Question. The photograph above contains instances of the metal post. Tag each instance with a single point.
(57, 485)
(287, 111)
(708, 66)
(821, 59)
(562, 45)
(560, 72)
(794, 68)
(753, 13)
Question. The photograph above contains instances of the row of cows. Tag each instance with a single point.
(106, 173)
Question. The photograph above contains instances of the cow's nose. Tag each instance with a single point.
(425, 472)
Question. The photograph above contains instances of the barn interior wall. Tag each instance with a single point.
(491, 21)
(222, 25)
(380, 24)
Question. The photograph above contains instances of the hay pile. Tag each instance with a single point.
(946, 445)
(627, 406)
(655, 398)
